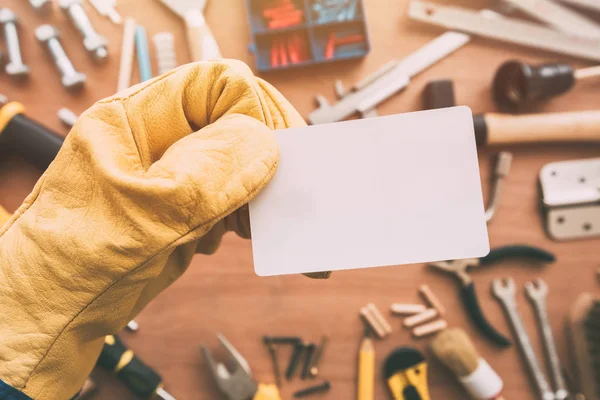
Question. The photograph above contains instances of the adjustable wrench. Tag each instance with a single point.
(504, 291)
(537, 292)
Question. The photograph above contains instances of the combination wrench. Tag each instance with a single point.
(537, 292)
(504, 291)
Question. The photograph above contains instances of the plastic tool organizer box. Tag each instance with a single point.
(295, 33)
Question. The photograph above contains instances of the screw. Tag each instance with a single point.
(281, 339)
(42, 7)
(15, 67)
(71, 79)
(295, 360)
(323, 387)
(92, 41)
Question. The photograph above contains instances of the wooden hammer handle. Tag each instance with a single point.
(583, 126)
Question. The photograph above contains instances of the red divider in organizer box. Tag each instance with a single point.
(295, 33)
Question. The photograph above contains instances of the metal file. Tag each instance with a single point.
(390, 79)
(505, 29)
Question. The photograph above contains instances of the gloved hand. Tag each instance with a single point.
(144, 180)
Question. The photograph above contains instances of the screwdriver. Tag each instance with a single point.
(142, 380)
(518, 85)
(36, 143)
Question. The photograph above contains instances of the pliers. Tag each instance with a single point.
(237, 384)
(467, 291)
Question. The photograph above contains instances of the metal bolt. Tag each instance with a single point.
(325, 386)
(42, 7)
(71, 79)
(15, 67)
(92, 41)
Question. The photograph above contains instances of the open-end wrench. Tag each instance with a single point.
(537, 292)
(504, 290)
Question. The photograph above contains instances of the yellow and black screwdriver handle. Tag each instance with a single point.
(137, 376)
(405, 372)
(34, 142)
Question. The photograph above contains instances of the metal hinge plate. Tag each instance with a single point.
(571, 198)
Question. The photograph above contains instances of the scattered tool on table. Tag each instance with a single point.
(505, 29)
(143, 53)
(309, 353)
(133, 326)
(571, 199)
(201, 42)
(559, 17)
(537, 293)
(106, 8)
(321, 388)
(282, 339)
(459, 268)
(88, 390)
(164, 44)
(42, 7)
(34, 142)
(314, 368)
(438, 94)
(364, 96)
(15, 68)
(336, 41)
(407, 309)
(289, 49)
(567, 127)
(70, 78)
(501, 170)
(375, 320)
(417, 319)
(405, 372)
(127, 54)
(92, 41)
(366, 368)
(274, 362)
(237, 384)
(504, 290)
(591, 5)
(282, 14)
(67, 117)
(295, 360)
(455, 350)
(293, 33)
(583, 325)
(518, 86)
(138, 377)
(429, 328)
(431, 299)
(327, 11)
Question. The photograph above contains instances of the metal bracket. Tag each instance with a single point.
(571, 198)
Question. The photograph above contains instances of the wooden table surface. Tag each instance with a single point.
(221, 293)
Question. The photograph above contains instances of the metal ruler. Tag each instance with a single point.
(558, 16)
(589, 4)
(384, 83)
(505, 29)
(571, 198)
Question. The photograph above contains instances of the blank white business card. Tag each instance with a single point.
(391, 190)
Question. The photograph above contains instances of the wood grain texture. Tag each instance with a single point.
(221, 293)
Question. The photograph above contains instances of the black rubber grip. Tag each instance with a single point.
(34, 142)
(518, 251)
(439, 94)
(518, 86)
(481, 129)
(471, 303)
(139, 378)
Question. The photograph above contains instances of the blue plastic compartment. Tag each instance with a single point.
(314, 32)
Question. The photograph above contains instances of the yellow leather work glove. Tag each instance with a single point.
(144, 180)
